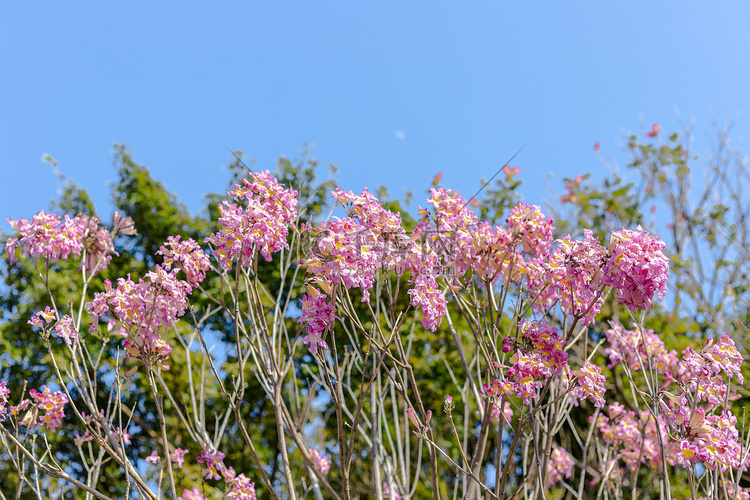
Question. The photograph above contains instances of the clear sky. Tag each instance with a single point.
(392, 92)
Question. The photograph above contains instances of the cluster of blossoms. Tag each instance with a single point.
(213, 461)
(261, 226)
(344, 253)
(635, 436)
(145, 310)
(559, 465)
(351, 250)
(539, 356)
(703, 436)
(589, 383)
(51, 403)
(498, 416)
(318, 316)
(176, 457)
(4, 393)
(50, 237)
(191, 494)
(692, 433)
(532, 227)
(451, 237)
(64, 327)
(239, 487)
(637, 346)
(186, 255)
(322, 463)
(636, 267)
(427, 294)
(574, 272)
(492, 253)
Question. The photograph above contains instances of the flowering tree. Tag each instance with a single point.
(351, 324)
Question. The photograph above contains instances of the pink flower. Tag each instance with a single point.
(492, 255)
(145, 310)
(178, 457)
(123, 436)
(78, 440)
(426, 294)
(242, 488)
(153, 458)
(421, 427)
(589, 383)
(532, 227)
(43, 318)
(213, 461)
(540, 355)
(262, 225)
(636, 346)
(636, 267)
(47, 236)
(4, 393)
(66, 331)
(191, 494)
(53, 404)
(573, 277)
(559, 465)
(496, 415)
(322, 463)
(318, 316)
(724, 357)
(186, 255)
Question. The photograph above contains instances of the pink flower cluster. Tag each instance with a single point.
(191, 494)
(589, 383)
(66, 330)
(318, 316)
(532, 227)
(4, 393)
(322, 463)
(178, 457)
(636, 346)
(64, 327)
(427, 294)
(539, 356)
(213, 461)
(239, 487)
(262, 225)
(186, 255)
(344, 252)
(496, 415)
(712, 440)
(451, 237)
(53, 405)
(559, 465)
(574, 271)
(50, 237)
(636, 267)
(633, 436)
(702, 435)
(145, 310)
(492, 254)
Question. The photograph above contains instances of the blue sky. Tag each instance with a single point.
(390, 92)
